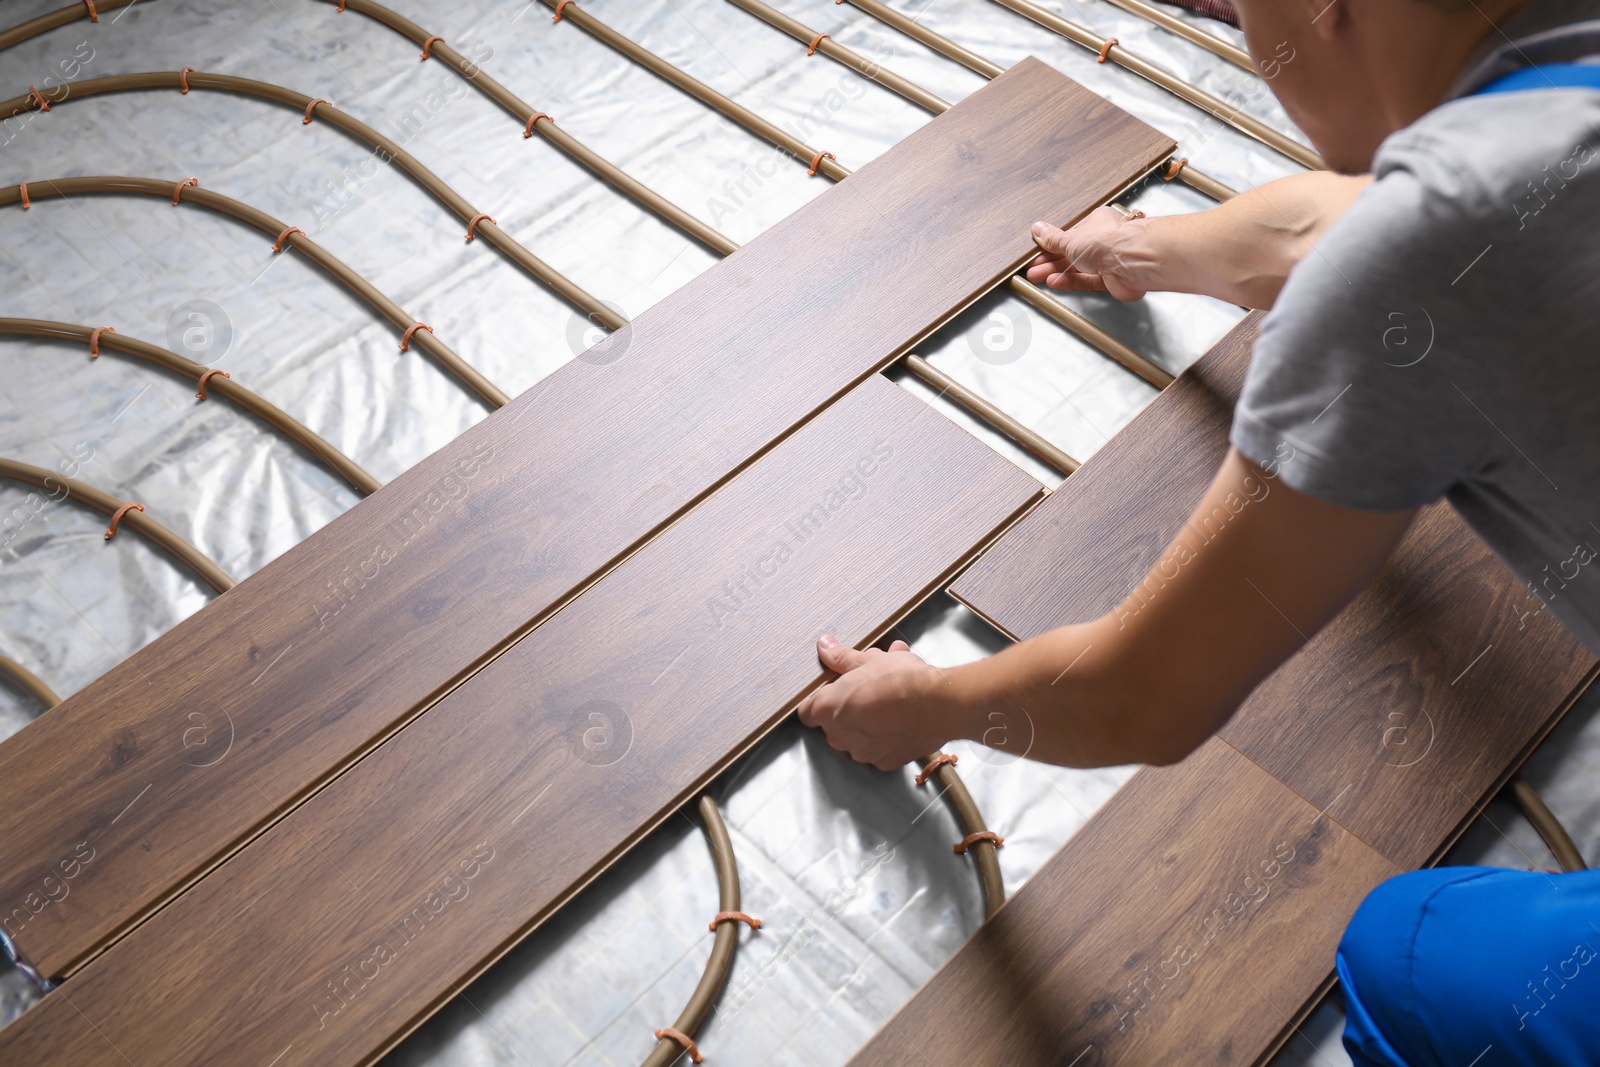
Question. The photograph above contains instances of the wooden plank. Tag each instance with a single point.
(1077, 557)
(442, 848)
(1185, 923)
(1400, 716)
(197, 743)
(1420, 699)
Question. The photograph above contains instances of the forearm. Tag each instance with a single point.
(1076, 697)
(1256, 570)
(1241, 250)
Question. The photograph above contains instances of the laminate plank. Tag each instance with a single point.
(442, 848)
(1079, 555)
(1401, 716)
(1187, 922)
(1418, 701)
(197, 743)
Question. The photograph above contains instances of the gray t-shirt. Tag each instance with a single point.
(1440, 340)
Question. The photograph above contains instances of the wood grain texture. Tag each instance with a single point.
(1077, 556)
(198, 742)
(1418, 701)
(1402, 715)
(337, 930)
(1184, 924)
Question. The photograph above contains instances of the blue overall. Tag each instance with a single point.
(1472, 966)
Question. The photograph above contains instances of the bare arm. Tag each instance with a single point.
(1239, 251)
(1220, 610)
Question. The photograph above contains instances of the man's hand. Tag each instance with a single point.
(883, 708)
(1091, 257)
(1240, 251)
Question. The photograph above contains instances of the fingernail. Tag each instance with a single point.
(1040, 228)
(827, 641)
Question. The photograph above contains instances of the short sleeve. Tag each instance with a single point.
(1360, 387)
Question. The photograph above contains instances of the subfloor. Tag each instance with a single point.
(850, 869)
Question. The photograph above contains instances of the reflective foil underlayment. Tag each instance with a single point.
(850, 870)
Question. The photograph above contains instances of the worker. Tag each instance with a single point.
(1434, 315)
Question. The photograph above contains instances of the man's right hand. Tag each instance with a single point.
(1091, 257)
(1240, 251)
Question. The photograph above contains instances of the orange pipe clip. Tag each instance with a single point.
(935, 763)
(201, 395)
(960, 847)
(44, 105)
(811, 49)
(734, 917)
(683, 1039)
(559, 6)
(319, 100)
(429, 44)
(94, 339)
(94, 16)
(1172, 171)
(472, 225)
(111, 531)
(527, 131)
(183, 79)
(816, 161)
(22, 187)
(405, 338)
(277, 246)
(177, 190)
(1105, 49)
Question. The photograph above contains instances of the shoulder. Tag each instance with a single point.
(1486, 159)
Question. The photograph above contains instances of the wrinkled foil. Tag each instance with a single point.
(850, 870)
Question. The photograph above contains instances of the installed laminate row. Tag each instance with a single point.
(330, 936)
(1195, 917)
(199, 742)
(1186, 923)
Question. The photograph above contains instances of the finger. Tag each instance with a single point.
(838, 657)
(1073, 281)
(1052, 239)
(1039, 271)
(803, 710)
(899, 646)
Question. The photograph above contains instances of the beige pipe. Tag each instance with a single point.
(723, 948)
(56, 19)
(546, 128)
(260, 220)
(1555, 836)
(1193, 94)
(970, 820)
(28, 681)
(485, 227)
(218, 385)
(752, 122)
(1167, 21)
(987, 412)
(135, 519)
(1079, 35)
